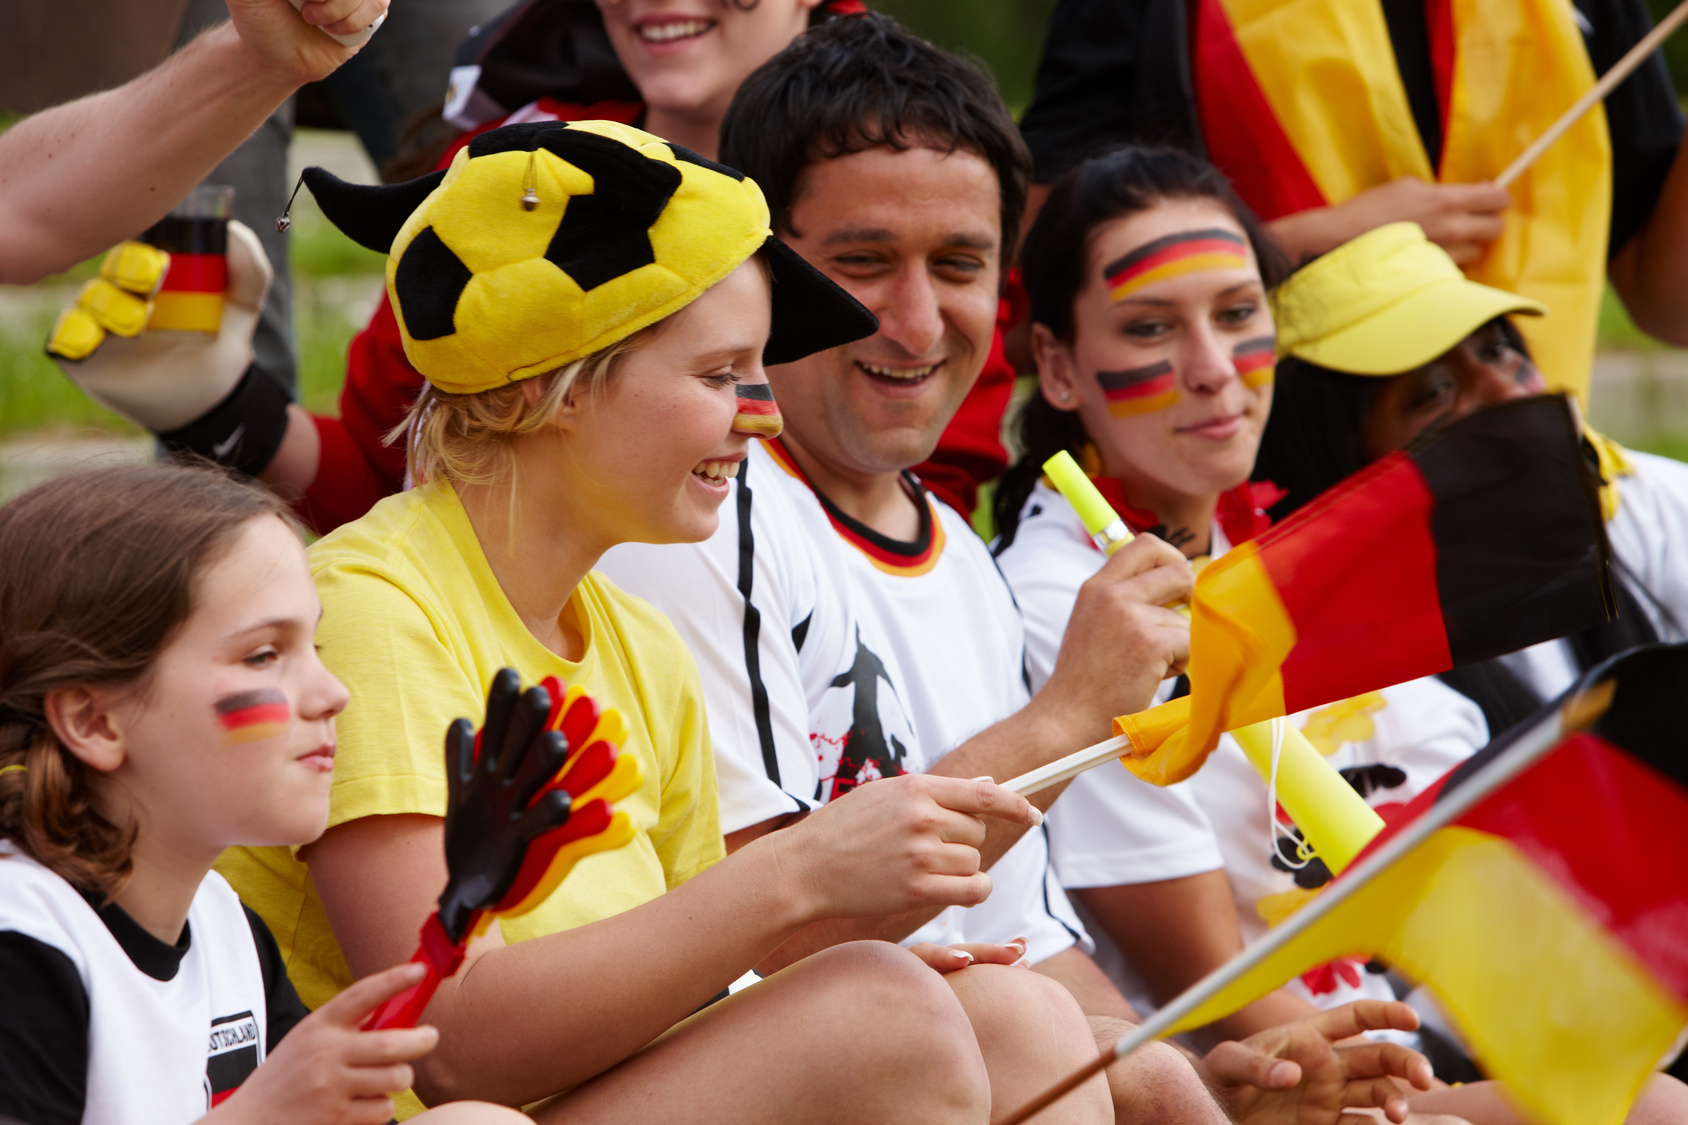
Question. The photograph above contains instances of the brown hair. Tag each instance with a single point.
(97, 576)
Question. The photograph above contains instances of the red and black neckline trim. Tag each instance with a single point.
(906, 559)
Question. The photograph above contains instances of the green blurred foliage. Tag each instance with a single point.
(1675, 48)
(1005, 35)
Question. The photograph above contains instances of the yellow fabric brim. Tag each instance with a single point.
(1413, 330)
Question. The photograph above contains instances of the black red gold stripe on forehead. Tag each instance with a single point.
(1113, 381)
(1150, 249)
(761, 392)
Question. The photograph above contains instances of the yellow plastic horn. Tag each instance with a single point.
(1335, 821)
(1099, 517)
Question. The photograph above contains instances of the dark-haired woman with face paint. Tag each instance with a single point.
(1383, 339)
(1155, 346)
(1148, 289)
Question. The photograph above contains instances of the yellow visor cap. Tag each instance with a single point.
(1387, 302)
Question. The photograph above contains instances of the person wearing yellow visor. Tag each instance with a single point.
(592, 308)
(1383, 339)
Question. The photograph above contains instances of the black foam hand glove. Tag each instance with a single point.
(491, 812)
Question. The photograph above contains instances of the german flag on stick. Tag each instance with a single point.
(1537, 889)
(1481, 539)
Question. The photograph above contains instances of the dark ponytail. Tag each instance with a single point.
(1055, 262)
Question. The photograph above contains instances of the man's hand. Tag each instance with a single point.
(1121, 640)
(1299, 1074)
(293, 43)
(1460, 218)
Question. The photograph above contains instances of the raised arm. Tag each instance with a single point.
(73, 181)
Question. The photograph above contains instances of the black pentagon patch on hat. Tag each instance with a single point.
(607, 234)
(428, 282)
(681, 152)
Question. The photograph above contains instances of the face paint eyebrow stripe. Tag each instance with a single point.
(1232, 243)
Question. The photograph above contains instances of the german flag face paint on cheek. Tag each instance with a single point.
(1174, 256)
(247, 716)
(758, 413)
(1139, 390)
(1256, 361)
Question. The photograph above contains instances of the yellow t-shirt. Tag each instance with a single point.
(416, 626)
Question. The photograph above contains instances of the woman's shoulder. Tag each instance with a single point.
(399, 531)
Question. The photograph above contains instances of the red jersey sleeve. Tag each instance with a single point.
(357, 468)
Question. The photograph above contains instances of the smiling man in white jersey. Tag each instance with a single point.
(848, 626)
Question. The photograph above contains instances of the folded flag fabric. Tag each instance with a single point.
(1538, 889)
(1483, 538)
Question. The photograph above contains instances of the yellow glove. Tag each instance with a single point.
(161, 381)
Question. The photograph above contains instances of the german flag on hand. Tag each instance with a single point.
(1538, 890)
(1481, 539)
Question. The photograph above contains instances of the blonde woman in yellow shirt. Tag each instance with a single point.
(592, 308)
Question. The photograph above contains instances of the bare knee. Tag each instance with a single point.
(895, 1018)
(1031, 1034)
(1663, 1101)
(1156, 1083)
(1007, 1003)
(472, 1113)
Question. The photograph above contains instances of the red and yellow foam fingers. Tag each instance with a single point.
(1174, 256)
(119, 301)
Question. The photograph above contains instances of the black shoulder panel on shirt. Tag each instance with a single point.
(43, 1034)
(281, 999)
(759, 705)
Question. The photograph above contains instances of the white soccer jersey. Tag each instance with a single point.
(832, 656)
(156, 1049)
(1111, 829)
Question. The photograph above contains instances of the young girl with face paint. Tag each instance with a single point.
(605, 398)
(1155, 347)
(161, 700)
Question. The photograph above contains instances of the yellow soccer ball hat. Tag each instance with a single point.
(1386, 302)
(545, 242)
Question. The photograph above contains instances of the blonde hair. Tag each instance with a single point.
(467, 439)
